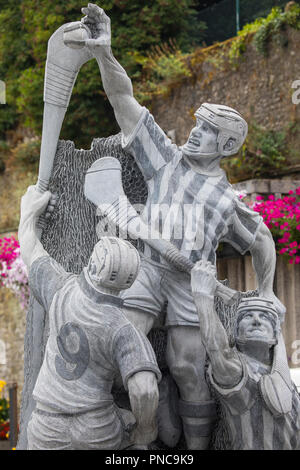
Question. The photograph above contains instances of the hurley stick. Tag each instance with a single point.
(103, 187)
(62, 66)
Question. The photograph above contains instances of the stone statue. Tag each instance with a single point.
(252, 379)
(91, 343)
(199, 209)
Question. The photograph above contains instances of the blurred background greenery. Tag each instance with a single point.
(139, 27)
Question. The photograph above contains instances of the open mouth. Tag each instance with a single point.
(194, 141)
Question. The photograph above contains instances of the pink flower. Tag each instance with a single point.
(13, 272)
(282, 215)
(293, 244)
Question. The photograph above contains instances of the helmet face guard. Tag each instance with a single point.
(229, 124)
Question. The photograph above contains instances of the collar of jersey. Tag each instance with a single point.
(97, 296)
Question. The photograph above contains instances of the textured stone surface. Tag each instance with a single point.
(69, 238)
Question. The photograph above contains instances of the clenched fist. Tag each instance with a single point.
(203, 278)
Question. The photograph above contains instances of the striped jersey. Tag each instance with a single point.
(251, 424)
(192, 210)
(90, 341)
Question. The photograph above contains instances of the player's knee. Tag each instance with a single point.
(190, 380)
(183, 374)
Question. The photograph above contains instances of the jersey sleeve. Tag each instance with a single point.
(132, 353)
(243, 227)
(238, 398)
(149, 146)
(46, 277)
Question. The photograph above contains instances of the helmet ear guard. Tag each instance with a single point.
(223, 141)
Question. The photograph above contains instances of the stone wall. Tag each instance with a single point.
(260, 89)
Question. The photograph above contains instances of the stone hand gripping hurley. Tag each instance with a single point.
(64, 60)
(103, 187)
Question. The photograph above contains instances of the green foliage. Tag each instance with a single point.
(165, 29)
(4, 410)
(239, 44)
(25, 28)
(265, 29)
(163, 68)
(27, 154)
(4, 405)
(4, 149)
(273, 27)
(263, 153)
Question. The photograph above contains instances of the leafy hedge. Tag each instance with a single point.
(25, 28)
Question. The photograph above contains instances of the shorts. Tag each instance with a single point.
(102, 429)
(157, 284)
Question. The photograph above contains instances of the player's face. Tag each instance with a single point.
(256, 325)
(202, 140)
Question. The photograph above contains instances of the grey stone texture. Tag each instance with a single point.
(71, 230)
(69, 238)
(72, 248)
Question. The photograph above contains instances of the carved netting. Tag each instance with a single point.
(69, 237)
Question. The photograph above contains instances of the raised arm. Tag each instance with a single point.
(264, 263)
(226, 366)
(117, 85)
(33, 204)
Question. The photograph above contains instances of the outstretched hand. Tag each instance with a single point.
(203, 278)
(99, 25)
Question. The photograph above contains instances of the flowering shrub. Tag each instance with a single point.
(282, 216)
(4, 412)
(13, 272)
(8, 247)
(4, 431)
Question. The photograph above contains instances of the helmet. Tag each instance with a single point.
(229, 124)
(114, 263)
(258, 303)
